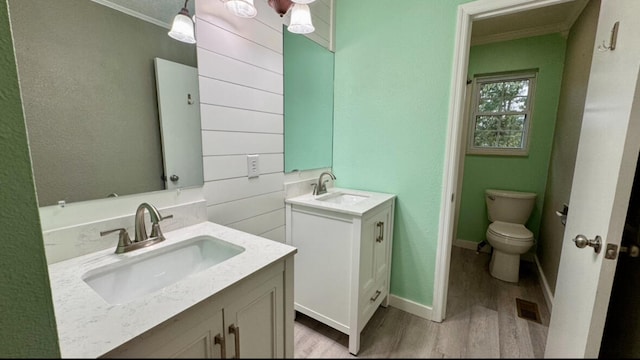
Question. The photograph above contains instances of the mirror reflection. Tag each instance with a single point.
(308, 104)
(88, 81)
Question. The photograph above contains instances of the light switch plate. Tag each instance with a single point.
(253, 165)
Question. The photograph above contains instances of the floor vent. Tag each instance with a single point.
(528, 310)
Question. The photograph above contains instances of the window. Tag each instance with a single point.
(500, 112)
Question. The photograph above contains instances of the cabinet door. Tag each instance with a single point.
(182, 337)
(373, 261)
(254, 322)
(382, 245)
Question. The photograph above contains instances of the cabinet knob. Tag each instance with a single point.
(235, 330)
(375, 297)
(219, 340)
(380, 226)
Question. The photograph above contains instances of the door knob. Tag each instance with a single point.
(174, 178)
(582, 242)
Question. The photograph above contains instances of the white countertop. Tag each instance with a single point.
(373, 199)
(88, 326)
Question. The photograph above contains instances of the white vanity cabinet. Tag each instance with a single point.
(245, 321)
(343, 264)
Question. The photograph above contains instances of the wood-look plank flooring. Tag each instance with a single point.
(482, 321)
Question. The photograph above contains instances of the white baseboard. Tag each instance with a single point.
(411, 307)
(468, 244)
(546, 289)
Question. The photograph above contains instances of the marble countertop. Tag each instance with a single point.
(372, 200)
(88, 326)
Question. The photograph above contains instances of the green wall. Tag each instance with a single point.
(520, 173)
(308, 103)
(27, 322)
(393, 72)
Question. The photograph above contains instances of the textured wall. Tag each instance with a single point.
(27, 323)
(580, 46)
(392, 89)
(89, 93)
(519, 173)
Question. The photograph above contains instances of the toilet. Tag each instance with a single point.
(508, 212)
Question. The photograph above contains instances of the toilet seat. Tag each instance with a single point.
(510, 231)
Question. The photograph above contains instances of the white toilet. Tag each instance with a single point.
(508, 212)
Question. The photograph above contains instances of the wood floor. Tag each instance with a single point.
(482, 321)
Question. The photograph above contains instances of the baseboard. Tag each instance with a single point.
(472, 245)
(411, 307)
(546, 289)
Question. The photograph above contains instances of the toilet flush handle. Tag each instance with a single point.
(582, 242)
(491, 197)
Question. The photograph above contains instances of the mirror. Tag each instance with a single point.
(88, 83)
(308, 103)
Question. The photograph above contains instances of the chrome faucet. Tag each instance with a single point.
(142, 239)
(321, 187)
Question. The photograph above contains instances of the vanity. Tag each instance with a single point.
(343, 264)
(207, 291)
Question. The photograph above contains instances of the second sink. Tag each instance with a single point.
(341, 198)
(140, 275)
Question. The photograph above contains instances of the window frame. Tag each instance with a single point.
(478, 81)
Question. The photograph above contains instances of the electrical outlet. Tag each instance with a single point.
(253, 166)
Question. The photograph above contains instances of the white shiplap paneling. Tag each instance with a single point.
(238, 143)
(218, 92)
(234, 211)
(232, 166)
(233, 119)
(261, 223)
(224, 42)
(227, 69)
(216, 192)
(240, 65)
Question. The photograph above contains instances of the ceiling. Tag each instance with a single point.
(535, 22)
(160, 12)
(541, 21)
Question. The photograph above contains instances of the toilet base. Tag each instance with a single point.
(505, 267)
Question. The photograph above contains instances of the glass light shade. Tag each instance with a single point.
(182, 28)
(241, 8)
(300, 20)
(303, 1)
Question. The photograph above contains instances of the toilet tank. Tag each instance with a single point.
(509, 206)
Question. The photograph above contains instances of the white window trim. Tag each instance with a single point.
(473, 112)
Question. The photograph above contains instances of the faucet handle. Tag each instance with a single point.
(123, 239)
(166, 217)
(315, 188)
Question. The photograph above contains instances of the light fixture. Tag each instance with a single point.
(241, 8)
(182, 27)
(300, 14)
(280, 6)
(300, 19)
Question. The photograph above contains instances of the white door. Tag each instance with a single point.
(603, 177)
(179, 108)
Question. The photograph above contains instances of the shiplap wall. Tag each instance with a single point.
(241, 92)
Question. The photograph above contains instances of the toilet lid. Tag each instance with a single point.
(514, 231)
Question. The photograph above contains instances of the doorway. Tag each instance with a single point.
(456, 145)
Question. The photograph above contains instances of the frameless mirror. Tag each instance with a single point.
(308, 103)
(90, 95)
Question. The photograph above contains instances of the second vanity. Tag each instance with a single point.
(240, 305)
(343, 264)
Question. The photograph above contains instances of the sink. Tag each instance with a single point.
(341, 198)
(140, 275)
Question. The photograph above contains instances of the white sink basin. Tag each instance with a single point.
(341, 198)
(140, 275)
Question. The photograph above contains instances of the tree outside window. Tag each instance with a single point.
(501, 114)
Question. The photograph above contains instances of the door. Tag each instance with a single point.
(179, 109)
(602, 181)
